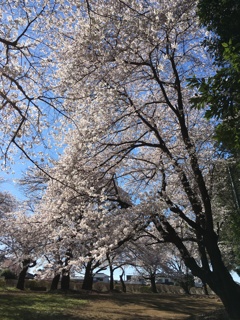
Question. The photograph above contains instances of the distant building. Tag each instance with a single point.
(164, 280)
(133, 279)
(30, 276)
(101, 277)
(98, 277)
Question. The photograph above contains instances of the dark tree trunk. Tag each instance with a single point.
(65, 281)
(88, 277)
(184, 285)
(221, 282)
(205, 289)
(153, 284)
(22, 275)
(124, 289)
(21, 278)
(218, 279)
(111, 278)
(55, 282)
(186, 282)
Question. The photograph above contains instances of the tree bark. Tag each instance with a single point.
(218, 279)
(65, 281)
(88, 277)
(21, 278)
(111, 278)
(124, 289)
(55, 281)
(22, 274)
(205, 289)
(153, 284)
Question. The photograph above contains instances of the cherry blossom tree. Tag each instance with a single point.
(118, 259)
(22, 240)
(175, 269)
(148, 259)
(126, 68)
(31, 111)
(153, 260)
(7, 204)
(120, 70)
(86, 214)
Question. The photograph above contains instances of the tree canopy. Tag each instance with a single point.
(221, 91)
(137, 158)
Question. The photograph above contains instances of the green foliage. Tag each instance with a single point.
(226, 206)
(220, 93)
(39, 306)
(228, 135)
(221, 17)
(2, 283)
(8, 274)
(36, 285)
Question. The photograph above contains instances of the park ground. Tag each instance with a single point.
(15, 305)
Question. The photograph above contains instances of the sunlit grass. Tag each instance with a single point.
(16, 305)
(31, 306)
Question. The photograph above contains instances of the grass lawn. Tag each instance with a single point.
(16, 305)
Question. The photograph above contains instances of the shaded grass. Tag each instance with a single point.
(36, 306)
(48, 306)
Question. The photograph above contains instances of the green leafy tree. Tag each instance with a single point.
(226, 195)
(221, 91)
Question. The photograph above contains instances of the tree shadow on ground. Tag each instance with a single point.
(86, 306)
(178, 303)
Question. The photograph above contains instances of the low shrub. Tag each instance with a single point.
(8, 274)
(101, 286)
(2, 282)
(145, 289)
(36, 285)
(117, 288)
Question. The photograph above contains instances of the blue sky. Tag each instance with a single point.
(10, 178)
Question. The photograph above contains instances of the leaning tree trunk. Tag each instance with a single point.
(218, 278)
(88, 277)
(228, 291)
(124, 289)
(22, 274)
(221, 281)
